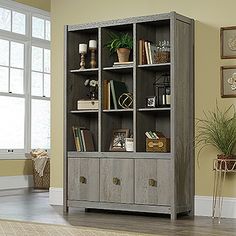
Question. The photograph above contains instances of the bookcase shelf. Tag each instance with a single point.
(84, 111)
(157, 182)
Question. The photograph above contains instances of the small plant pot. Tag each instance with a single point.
(229, 165)
(123, 54)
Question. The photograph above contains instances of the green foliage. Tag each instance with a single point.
(218, 128)
(119, 41)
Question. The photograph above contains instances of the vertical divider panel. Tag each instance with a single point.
(100, 83)
(135, 60)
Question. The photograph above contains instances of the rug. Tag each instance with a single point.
(18, 228)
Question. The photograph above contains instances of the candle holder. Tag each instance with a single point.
(93, 62)
(92, 48)
(82, 52)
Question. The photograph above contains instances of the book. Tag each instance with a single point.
(105, 94)
(76, 138)
(88, 140)
(153, 53)
(140, 43)
(147, 52)
(123, 63)
(117, 89)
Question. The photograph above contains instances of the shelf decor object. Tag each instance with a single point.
(82, 52)
(221, 167)
(93, 48)
(117, 172)
(228, 42)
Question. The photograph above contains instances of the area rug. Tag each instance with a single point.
(18, 228)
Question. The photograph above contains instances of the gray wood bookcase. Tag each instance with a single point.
(121, 180)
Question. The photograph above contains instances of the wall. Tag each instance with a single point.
(22, 167)
(209, 15)
(41, 4)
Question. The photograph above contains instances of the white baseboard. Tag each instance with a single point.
(14, 182)
(203, 206)
(56, 196)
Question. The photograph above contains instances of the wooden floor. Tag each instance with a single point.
(33, 206)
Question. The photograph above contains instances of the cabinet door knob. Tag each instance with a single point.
(116, 181)
(83, 180)
(152, 182)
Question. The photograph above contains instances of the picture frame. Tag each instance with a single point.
(151, 101)
(228, 81)
(228, 42)
(118, 140)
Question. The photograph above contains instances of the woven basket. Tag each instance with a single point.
(44, 181)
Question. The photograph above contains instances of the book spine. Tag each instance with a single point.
(147, 52)
(144, 58)
(113, 95)
(105, 94)
(140, 52)
(109, 95)
(80, 139)
(83, 140)
(75, 138)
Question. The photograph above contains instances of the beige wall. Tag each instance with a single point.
(22, 167)
(41, 4)
(15, 167)
(209, 15)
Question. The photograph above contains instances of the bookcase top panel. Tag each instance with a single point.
(130, 20)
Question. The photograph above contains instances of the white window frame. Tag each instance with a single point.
(28, 41)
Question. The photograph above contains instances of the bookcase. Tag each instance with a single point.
(135, 180)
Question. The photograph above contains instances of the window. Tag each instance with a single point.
(24, 78)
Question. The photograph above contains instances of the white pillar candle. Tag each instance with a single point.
(82, 48)
(92, 44)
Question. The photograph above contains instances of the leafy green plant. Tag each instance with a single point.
(119, 41)
(218, 128)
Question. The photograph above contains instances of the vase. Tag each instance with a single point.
(230, 165)
(123, 54)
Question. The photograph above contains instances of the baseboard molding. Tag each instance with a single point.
(55, 196)
(16, 182)
(203, 206)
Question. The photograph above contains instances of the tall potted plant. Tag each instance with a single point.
(122, 44)
(218, 129)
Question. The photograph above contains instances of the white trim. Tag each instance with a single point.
(15, 182)
(203, 206)
(56, 196)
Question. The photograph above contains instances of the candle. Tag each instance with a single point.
(92, 44)
(82, 48)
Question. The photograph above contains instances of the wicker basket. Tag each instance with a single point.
(44, 181)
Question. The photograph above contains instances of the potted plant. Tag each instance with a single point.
(218, 129)
(122, 44)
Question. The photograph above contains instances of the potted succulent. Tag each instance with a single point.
(122, 44)
(218, 129)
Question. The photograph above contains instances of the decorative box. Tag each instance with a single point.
(158, 145)
(87, 104)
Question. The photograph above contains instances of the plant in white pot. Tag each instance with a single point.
(218, 129)
(122, 44)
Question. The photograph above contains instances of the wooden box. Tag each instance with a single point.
(158, 145)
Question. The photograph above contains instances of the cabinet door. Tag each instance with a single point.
(152, 182)
(83, 179)
(117, 180)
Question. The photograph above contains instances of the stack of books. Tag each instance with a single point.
(83, 139)
(147, 52)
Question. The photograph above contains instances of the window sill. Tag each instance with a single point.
(16, 156)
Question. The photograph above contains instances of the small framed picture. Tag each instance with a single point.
(118, 140)
(151, 101)
(228, 42)
(228, 81)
